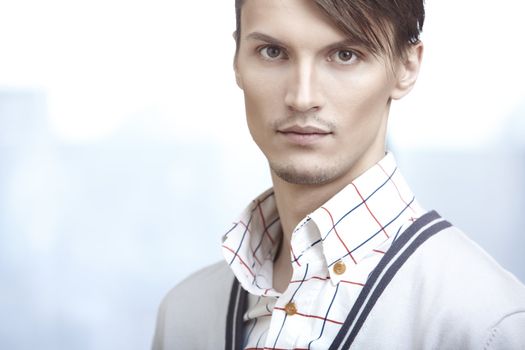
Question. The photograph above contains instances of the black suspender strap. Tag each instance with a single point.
(402, 248)
(234, 319)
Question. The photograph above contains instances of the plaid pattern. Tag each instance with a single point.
(355, 227)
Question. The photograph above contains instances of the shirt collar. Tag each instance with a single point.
(364, 217)
(360, 220)
(252, 242)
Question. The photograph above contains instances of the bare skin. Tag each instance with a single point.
(317, 106)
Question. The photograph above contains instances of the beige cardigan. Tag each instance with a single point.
(458, 297)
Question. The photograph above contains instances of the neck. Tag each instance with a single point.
(294, 202)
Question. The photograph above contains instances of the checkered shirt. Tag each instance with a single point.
(333, 250)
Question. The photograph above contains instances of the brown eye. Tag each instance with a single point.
(345, 55)
(272, 52)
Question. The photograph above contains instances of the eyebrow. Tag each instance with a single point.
(266, 38)
(271, 40)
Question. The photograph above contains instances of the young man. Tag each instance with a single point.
(338, 253)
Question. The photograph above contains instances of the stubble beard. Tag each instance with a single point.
(315, 174)
(291, 174)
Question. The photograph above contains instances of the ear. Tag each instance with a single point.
(238, 79)
(407, 71)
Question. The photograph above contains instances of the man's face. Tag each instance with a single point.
(316, 103)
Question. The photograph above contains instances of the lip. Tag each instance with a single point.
(303, 135)
(307, 129)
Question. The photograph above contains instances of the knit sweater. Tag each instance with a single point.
(434, 289)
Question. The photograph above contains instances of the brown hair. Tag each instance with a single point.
(383, 26)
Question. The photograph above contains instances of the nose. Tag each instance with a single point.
(303, 91)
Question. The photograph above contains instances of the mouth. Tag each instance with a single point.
(303, 135)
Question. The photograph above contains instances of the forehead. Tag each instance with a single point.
(297, 21)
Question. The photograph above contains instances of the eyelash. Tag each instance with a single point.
(355, 55)
(260, 51)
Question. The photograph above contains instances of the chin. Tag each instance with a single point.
(304, 175)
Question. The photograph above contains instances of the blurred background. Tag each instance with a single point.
(124, 154)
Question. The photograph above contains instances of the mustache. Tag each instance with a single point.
(309, 119)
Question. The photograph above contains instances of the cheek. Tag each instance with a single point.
(363, 97)
(361, 104)
(258, 111)
(263, 101)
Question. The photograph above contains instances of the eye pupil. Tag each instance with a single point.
(345, 55)
(273, 52)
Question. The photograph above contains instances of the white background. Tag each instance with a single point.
(124, 154)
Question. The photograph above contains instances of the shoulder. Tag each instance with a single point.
(459, 294)
(448, 292)
(193, 313)
(478, 293)
(210, 281)
(452, 257)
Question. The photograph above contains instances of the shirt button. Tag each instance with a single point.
(290, 309)
(339, 268)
